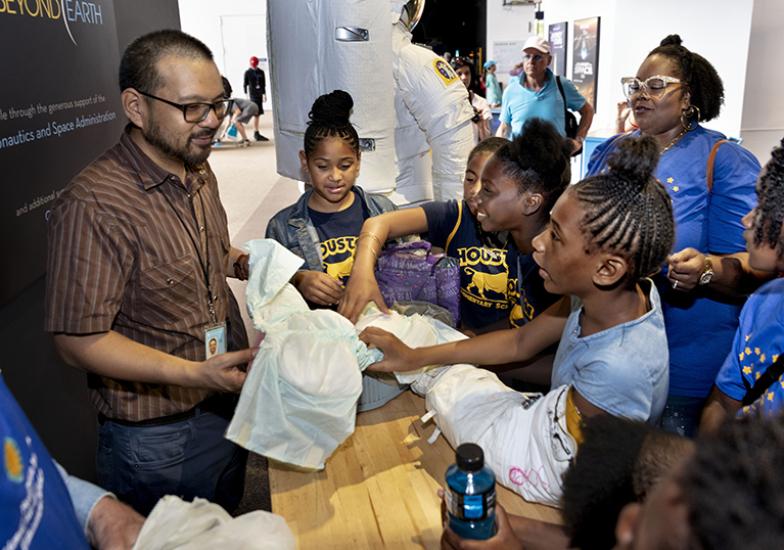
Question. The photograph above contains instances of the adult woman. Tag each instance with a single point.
(673, 91)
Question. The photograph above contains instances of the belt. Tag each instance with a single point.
(221, 405)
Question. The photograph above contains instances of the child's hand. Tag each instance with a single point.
(359, 292)
(318, 287)
(398, 357)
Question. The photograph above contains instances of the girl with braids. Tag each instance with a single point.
(509, 187)
(322, 226)
(708, 275)
(606, 235)
(759, 340)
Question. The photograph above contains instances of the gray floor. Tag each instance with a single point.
(251, 192)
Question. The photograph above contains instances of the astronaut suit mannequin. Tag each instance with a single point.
(365, 48)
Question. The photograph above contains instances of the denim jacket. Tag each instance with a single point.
(293, 228)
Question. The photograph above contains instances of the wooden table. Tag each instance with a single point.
(379, 488)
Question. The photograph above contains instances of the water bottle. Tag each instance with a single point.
(470, 494)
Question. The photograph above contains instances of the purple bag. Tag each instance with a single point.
(409, 271)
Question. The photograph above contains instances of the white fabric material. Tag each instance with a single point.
(299, 400)
(201, 525)
(528, 449)
(307, 61)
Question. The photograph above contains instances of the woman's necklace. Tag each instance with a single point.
(675, 140)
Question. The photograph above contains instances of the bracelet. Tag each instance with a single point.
(372, 236)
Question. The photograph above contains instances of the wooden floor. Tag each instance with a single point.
(379, 488)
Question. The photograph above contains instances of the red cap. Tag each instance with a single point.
(254, 61)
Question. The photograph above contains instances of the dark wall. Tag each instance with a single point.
(53, 395)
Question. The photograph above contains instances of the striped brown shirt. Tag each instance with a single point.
(123, 257)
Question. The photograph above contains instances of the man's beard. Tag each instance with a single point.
(191, 159)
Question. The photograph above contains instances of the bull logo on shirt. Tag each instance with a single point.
(483, 282)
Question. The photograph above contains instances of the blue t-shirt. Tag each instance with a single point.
(699, 329)
(520, 104)
(621, 370)
(758, 342)
(35, 508)
(527, 292)
(338, 232)
(484, 265)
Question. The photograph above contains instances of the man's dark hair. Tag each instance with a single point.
(138, 64)
(770, 210)
(734, 487)
(703, 82)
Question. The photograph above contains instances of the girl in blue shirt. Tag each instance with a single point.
(759, 339)
(605, 236)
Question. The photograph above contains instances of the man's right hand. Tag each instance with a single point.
(318, 287)
(225, 372)
(360, 291)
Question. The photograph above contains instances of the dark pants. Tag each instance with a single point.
(190, 458)
(681, 415)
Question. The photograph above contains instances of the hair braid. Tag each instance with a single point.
(627, 211)
(329, 117)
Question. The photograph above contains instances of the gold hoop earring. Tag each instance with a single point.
(689, 115)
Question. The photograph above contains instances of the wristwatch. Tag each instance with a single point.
(707, 272)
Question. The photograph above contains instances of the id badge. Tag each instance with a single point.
(214, 340)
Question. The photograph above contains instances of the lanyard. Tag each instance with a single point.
(205, 265)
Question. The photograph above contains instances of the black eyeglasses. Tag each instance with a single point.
(197, 112)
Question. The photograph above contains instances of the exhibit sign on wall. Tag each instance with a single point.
(59, 107)
(585, 57)
(557, 37)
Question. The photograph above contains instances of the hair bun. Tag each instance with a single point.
(332, 109)
(671, 40)
(635, 160)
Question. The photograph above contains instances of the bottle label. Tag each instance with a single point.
(470, 507)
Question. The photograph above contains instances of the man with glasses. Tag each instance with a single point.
(536, 94)
(139, 253)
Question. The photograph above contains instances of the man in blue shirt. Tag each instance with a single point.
(41, 506)
(536, 94)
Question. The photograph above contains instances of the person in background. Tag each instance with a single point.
(708, 275)
(254, 84)
(759, 340)
(42, 507)
(139, 252)
(323, 226)
(492, 85)
(243, 111)
(482, 114)
(535, 94)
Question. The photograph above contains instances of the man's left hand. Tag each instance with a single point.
(113, 525)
